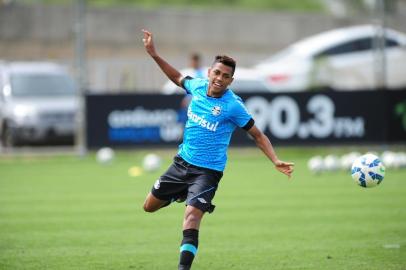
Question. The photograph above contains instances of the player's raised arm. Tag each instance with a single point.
(173, 74)
(265, 145)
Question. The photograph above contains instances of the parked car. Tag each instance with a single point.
(245, 80)
(37, 103)
(341, 59)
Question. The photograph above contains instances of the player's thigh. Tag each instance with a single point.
(201, 192)
(152, 203)
(172, 184)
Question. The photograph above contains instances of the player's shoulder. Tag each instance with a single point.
(194, 84)
(197, 81)
(233, 98)
(235, 104)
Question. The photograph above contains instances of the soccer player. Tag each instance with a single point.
(213, 114)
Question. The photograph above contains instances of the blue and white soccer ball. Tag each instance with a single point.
(368, 170)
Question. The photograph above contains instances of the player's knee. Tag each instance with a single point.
(192, 219)
(147, 208)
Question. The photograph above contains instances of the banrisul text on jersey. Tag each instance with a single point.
(201, 121)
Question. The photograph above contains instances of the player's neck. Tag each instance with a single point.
(215, 94)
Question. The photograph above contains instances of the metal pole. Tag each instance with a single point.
(379, 45)
(80, 59)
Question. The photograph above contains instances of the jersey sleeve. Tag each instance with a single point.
(191, 84)
(240, 116)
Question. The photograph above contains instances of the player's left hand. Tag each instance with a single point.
(284, 167)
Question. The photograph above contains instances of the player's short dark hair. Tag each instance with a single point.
(225, 60)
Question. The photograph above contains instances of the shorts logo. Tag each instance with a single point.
(216, 110)
(201, 200)
(157, 184)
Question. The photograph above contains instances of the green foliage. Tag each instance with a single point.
(400, 110)
(70, 213)
(298, 5)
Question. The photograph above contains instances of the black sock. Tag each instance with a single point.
(188, 248)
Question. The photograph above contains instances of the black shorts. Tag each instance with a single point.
(184, 180)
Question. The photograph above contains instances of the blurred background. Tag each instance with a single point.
(94, 47)
(250, 31)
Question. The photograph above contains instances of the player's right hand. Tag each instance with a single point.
(148, 43)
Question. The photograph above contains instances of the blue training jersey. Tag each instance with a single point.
(210, 124)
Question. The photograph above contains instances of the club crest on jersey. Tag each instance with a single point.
(216, 110)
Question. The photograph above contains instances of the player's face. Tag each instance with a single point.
(220, 77)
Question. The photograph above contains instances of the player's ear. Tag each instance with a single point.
(208, 72)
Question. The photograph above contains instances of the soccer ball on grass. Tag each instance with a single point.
(151, 162)
(105, 155)
(368, 170)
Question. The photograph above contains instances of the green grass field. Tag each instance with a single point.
(69, 213)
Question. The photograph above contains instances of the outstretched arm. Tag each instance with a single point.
(265, 145)
(173, 74)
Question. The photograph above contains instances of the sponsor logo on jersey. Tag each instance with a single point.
(201, 121)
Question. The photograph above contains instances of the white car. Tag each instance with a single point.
(37, 103)
(245, 80)
(343, 59)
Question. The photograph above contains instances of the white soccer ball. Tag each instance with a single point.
(331, 163)
(389, 159)
(151, 162)
(368, 170)
(348, 159)
(397, 161)
(315, 164)
(105, 155)
(402, 159)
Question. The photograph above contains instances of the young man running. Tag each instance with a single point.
(213, 114)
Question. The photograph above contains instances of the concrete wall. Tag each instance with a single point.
(116, 58)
